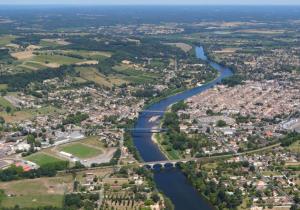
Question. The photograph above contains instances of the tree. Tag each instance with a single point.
(8, 109)
(2, 120)
(155, 197)
(31, 139)
(221, 123)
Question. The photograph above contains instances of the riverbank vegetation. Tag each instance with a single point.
(176, 144)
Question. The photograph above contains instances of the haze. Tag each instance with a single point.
(155, 2)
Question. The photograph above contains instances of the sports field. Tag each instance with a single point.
(42, 159)
(81, 150)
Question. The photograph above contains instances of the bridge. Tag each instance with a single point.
(153, 111)
(137, 130)
(147, 130)
(167, 163)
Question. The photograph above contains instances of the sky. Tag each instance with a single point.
(155, 2)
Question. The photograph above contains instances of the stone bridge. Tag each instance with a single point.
(166, 163)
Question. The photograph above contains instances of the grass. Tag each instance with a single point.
(136, 76)
(44, 111)
(33, 201)
(210, 166)
(29, 113)
(45, 43)
(42, 159)
(3, 86)
(57, 59)
(79, 80)
(270, 173)
(93, 141)
(92, 55)
(171, 154)
(91, 74)
(81, 150)
(5, 103)
(15, 116)
(5, 40)
(33, 65)
(295, 147)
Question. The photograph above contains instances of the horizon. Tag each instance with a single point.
(152, 3)
(155, 5)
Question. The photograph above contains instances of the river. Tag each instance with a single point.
(172, 182)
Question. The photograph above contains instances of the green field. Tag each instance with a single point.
(92, 55)
(93, 141)
(46, 191)
(91, 74)
(4, 40)
(48, 43)
(32, 65)
(3, 86)
(57, 59)
(135, 76)
(26, 114)
(81, 150)
(4, 103)
(42, 159)
(33, 201)
(295, 147)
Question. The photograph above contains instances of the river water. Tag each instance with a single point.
(172, 182)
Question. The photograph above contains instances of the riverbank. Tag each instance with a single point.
(183, 195)
(170, 155)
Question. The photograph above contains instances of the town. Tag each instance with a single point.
(96, 103)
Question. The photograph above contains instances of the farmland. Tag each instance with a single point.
(6, 39)
(126, 72)
(91, 74)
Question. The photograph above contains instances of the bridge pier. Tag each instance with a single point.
(165, 163)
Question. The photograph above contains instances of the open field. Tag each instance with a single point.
(295, 147)
(42, 60)
(15, 116)
(261, 31)
(36, 192)
(80, 150)
(270, 173)
(89, 54)
(33, 201)
(23, 55)
(3, 86)
(126, 72)
(6, 39)
(53, 42)
(55, 59)
(93, 141)
(32, 65)
(227, 50)
(29, 113)
(45, 110)
(42, 159)
(183, 46)
(91, 74)
(5, 103)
